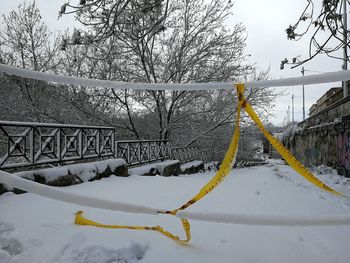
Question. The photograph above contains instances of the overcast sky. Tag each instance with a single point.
(267, 43)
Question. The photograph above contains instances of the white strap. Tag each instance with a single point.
(306, 80)
(244, 219)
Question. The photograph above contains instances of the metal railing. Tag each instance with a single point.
(192, 153)
(27, 144)
(139, 152)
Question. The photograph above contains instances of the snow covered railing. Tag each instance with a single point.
(29, 143)
(192, 153)
(142, 151)
(248, 163)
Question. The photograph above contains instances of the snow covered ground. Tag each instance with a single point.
(36, 229)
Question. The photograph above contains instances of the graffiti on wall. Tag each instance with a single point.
(343, 150)
(312, 156)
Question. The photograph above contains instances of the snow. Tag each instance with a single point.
(145, 169)
(190, 164)
(85, 171)
(112, 163)
(73, 252)
(50, 174)
(211, 166)
(12, 181)
(37, 229)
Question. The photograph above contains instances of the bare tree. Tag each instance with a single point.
(326, 28)
(121, 19)
(110, 107)
(194, 45)
(26, 42)
(217, 122)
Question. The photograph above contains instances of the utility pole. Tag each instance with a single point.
(345, 48)
(293, 108)
(303, 72)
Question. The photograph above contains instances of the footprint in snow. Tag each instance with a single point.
(10, 245)
(72, 253)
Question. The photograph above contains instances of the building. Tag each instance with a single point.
(330, 97)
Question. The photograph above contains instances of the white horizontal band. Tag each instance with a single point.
(110, 84)
(329, 77)
(336, 76)
(244, 219)
(267, 220)
(14, 181)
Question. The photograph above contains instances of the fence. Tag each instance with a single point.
(139, 152)
(188, 154)
(27, 144)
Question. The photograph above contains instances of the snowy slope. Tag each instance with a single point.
(36, 229)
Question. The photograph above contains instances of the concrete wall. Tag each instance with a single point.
(343, 151)
(327, 144)
(324, 138)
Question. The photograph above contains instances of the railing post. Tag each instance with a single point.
(31, 145)
(139, 152)
(167, 147)
(80, 141)
(98, 142)
(161, 146)
(114, 145)
(128, 151)
(58, 148)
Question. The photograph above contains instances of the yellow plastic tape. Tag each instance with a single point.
(224, 170)
(81, 220)
(290, 159)
(225, 166)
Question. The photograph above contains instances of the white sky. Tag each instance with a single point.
(267, 43)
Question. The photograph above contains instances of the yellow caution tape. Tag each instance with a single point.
(289, 157)
(225, 166)
(81, 220)
(224, 170)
